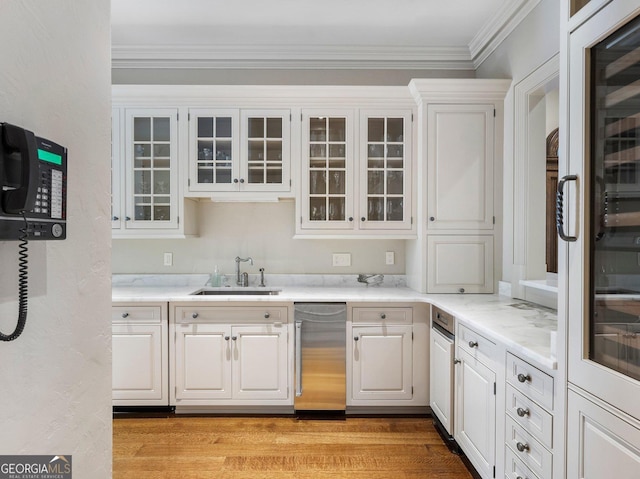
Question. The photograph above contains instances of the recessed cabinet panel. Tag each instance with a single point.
(460, 141)
(460, 264)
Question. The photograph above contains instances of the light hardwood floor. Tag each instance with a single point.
(281, 447)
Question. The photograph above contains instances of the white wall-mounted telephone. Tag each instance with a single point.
(33, 199)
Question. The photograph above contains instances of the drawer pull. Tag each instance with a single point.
(473, 344)
(522, 447)
(194, 315)
(383, 316)
(125, 315)
(522, 412)
(267, 315)
(523, 379)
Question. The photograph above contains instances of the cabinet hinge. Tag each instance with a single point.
(412, 220)
(411, 335)
(177, 219)
(301, 220)
(188, 181)
(290, 183)
(301, 118)
(494, 391)
(177, 116)
(494, 220)
(412, 390)
(494, 471)
(494, 115)
(188, 116)
(411, 117)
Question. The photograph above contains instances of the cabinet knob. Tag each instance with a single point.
(431, 218)
(383, 316)
(522, 447)
(523, 379)
(127, 218)
(356, 338)
(522, 412)
(241, 180)
(226, 338)
(235, 180)
(473, 344)
(234, 338)
(363, 219)
(115, 218)
(461, 290)
(125, 315)
(350, 218)
(267, 315)
(194, 315)
(456, 361)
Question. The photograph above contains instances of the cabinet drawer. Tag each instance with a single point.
(136, 314)
(529, 380)
(387, 315)
(475, 344)
(528, 449)
(515, 468)
(251, 314)
(528, 414)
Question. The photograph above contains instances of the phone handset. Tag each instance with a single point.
(20, 147)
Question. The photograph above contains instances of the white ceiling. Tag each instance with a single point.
(309, 33)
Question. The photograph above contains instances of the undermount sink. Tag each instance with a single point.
(236, 292)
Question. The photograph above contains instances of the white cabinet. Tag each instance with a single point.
(459, 149)
(380, 356)
(460, 164)
(441, 379)
(475, 400)
(238, 151)
(146, 200)
(356, 173)
(460, 264)
(602, 441)
(230, 356)
(140, 359)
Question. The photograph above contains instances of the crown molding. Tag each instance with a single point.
(291, 57)
(495, 31)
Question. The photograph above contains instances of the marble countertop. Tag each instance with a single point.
(524, 328)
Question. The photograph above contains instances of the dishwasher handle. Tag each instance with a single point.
(298, 359)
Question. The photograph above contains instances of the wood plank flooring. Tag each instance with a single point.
(281, 447)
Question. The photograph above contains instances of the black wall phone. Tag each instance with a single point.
(33, 199)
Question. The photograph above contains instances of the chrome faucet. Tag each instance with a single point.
(242, 280)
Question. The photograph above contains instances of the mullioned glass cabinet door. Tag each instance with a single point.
(385, 170)
(327, 147)
(151, 176)
(214, 151)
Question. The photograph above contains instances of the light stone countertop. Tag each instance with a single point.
(525, 329)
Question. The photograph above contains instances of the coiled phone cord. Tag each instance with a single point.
(23, 282)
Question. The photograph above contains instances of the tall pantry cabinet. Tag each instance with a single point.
(460, 124)
(599, 216)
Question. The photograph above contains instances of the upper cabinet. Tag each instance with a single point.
(356, 173)
(233, 150)
(145, 193)
(460, 146)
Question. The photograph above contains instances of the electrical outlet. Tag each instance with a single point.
(390, 257)
(342, 259)
(168, 259)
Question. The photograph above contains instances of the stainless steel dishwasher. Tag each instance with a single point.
(320, 364)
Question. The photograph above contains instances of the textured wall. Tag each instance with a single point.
(56, 378)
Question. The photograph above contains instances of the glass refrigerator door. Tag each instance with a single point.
(615, 202)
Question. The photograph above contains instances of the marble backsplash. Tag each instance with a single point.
(271, 280)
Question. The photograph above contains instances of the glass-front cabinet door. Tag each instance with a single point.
(328, 158)
(214, 150)
(265, 151)
(151, 159)
(385, 170)
(604, 243)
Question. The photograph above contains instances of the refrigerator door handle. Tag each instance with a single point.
(560, 208)
(298, 346)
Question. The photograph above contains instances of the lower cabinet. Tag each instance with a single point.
(140, 368)
(387, 356)
(230, 363)
(475, 400)
(600, 440)
(441, 379)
